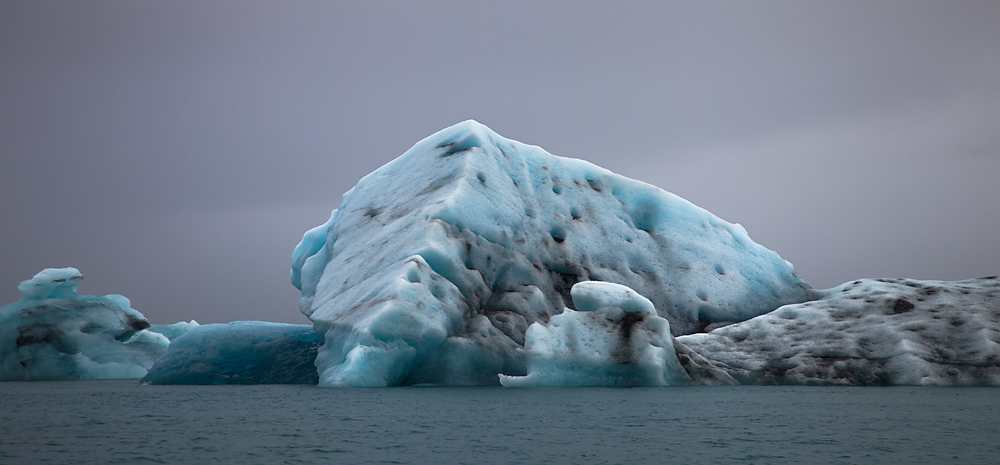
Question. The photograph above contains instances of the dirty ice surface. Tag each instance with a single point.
(869, 332)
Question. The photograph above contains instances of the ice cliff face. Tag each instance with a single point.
(868, 332)
(54, 333)
(436, 264)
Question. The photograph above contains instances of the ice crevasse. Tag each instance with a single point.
(435, 265)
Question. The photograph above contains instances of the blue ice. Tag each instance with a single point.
(241, 352)
(54, 333)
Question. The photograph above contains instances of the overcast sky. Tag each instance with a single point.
(176, 151)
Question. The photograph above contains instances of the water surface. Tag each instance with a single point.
(69, 422)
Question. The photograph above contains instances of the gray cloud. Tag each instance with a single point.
(176, 151)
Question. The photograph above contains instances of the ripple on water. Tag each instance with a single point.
(123, 422)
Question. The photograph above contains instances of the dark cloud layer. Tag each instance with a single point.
(176, 151)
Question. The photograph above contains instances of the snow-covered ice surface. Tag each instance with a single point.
(241, 352)
(54, 333)
(436, 264)
(869, 332)
(614, 339)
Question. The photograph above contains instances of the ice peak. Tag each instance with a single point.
(51, 283)
(459, 138)
(464, 136)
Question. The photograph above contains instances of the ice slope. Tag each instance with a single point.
(241, 352)
(54, 333)
(434, 266)
(614, 339)
(869, 332)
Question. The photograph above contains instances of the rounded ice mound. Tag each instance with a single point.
(54, 333)
(175, 330)
(591, 296)
(480, 236)
(616, 339)
(51, 283)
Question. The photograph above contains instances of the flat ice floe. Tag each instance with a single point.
(54, 333)
(435, 265)
(868, 332)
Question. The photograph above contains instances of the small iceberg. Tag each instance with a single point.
(53, 333)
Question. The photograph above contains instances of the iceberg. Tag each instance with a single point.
(53, 333)
(614, 338)
(240, 352)
(435, 265)
(868, 332)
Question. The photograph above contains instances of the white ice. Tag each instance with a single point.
(241, 352)
(868, 332)
(175, 330)
(435, 265)
(615, 339)
(54, 333)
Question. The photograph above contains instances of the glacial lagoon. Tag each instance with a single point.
(121, 421)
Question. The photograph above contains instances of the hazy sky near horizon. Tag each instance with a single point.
(175, 151)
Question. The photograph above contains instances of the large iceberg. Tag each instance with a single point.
(241, 352)
(868, 332)
(435, 265)
(615, 338)
(54, 333)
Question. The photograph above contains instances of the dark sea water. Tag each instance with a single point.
(122, 422)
